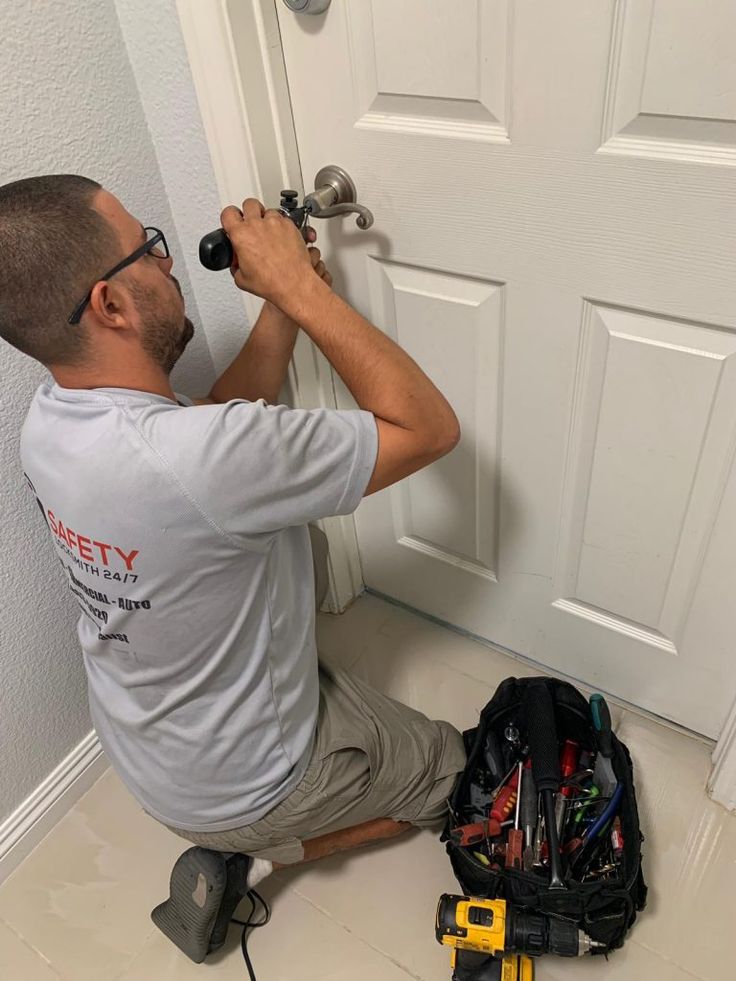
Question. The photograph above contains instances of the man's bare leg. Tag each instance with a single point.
(380, 829)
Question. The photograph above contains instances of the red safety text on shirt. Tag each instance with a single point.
(89, 548)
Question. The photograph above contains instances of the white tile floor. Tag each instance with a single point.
(78, 908)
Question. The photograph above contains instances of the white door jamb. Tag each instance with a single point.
(235, 55)
(722, 781)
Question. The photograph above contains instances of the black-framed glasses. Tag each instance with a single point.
(155, 245)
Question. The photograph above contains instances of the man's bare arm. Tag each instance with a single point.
(260, 369)
(416, 424)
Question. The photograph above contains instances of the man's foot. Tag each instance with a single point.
(239, 868)
(198, 884)
(205, 889)
(260, 869)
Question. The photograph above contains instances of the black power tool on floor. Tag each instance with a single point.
(495, 929)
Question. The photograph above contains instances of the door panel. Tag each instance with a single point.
(554, 244)
(672, 85)
(448, 513)
(453, 79)
(649, 403)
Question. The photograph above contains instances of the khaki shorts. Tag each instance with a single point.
(373, 758)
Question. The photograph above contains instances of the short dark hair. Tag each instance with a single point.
(53, 244)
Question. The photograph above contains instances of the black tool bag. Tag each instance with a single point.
(605, 909)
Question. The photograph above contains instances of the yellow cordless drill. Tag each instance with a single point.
(494, 928)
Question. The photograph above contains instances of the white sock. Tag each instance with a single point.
(260, 868)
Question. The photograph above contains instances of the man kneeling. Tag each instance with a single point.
(183, 529)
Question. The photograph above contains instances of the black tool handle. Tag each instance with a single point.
(216, 251)
(602, 724)
(542, 735)
(493, 758)
(541, 728)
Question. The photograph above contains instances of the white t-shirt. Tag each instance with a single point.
(181, 531)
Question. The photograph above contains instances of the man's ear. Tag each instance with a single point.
(111, 305)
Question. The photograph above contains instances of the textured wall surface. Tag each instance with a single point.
(158, 57)
(69, 102)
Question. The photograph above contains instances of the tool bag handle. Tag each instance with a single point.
(541, 727)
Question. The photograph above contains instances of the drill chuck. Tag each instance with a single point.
(536, 934)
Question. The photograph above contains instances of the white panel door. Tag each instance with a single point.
(554, 187)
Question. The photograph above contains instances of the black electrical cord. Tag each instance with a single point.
(251, 924)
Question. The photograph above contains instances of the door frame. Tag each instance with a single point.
(236, 60)
(252, 141)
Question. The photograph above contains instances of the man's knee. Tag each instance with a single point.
(449, 759)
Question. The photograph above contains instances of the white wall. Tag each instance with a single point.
(70, 102)
(157, 55)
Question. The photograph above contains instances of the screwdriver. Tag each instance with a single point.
(516, 836)
(528, 815)
(568, 766)
(538, 835)
(582, 806)
(603, 776)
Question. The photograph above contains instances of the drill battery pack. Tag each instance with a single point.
(596, 880)
(470, 966)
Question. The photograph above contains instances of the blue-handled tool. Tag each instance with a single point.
(603, 776)
(607, 815)
(591, 837)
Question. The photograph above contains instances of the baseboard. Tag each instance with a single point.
(722, 782)
(31, 822)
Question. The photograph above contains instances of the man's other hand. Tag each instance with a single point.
(315, 257)
(270, 257)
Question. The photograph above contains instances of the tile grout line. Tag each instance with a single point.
(362, 940)
(29, 946)
(57, 971)
(668, 960)
(133, 957)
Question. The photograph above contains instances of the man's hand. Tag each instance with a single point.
(260, 369)
(278, 317)
(270, 257)
(315, 257)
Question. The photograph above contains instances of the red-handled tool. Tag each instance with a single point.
(568, 766)
(473, 834)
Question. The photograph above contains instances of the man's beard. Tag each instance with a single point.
(164, 336)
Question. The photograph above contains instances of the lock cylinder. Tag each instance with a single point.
(334, 194)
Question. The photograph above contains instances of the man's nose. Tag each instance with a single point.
(167, 265)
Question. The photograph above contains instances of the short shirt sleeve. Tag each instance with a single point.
(255, 468)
